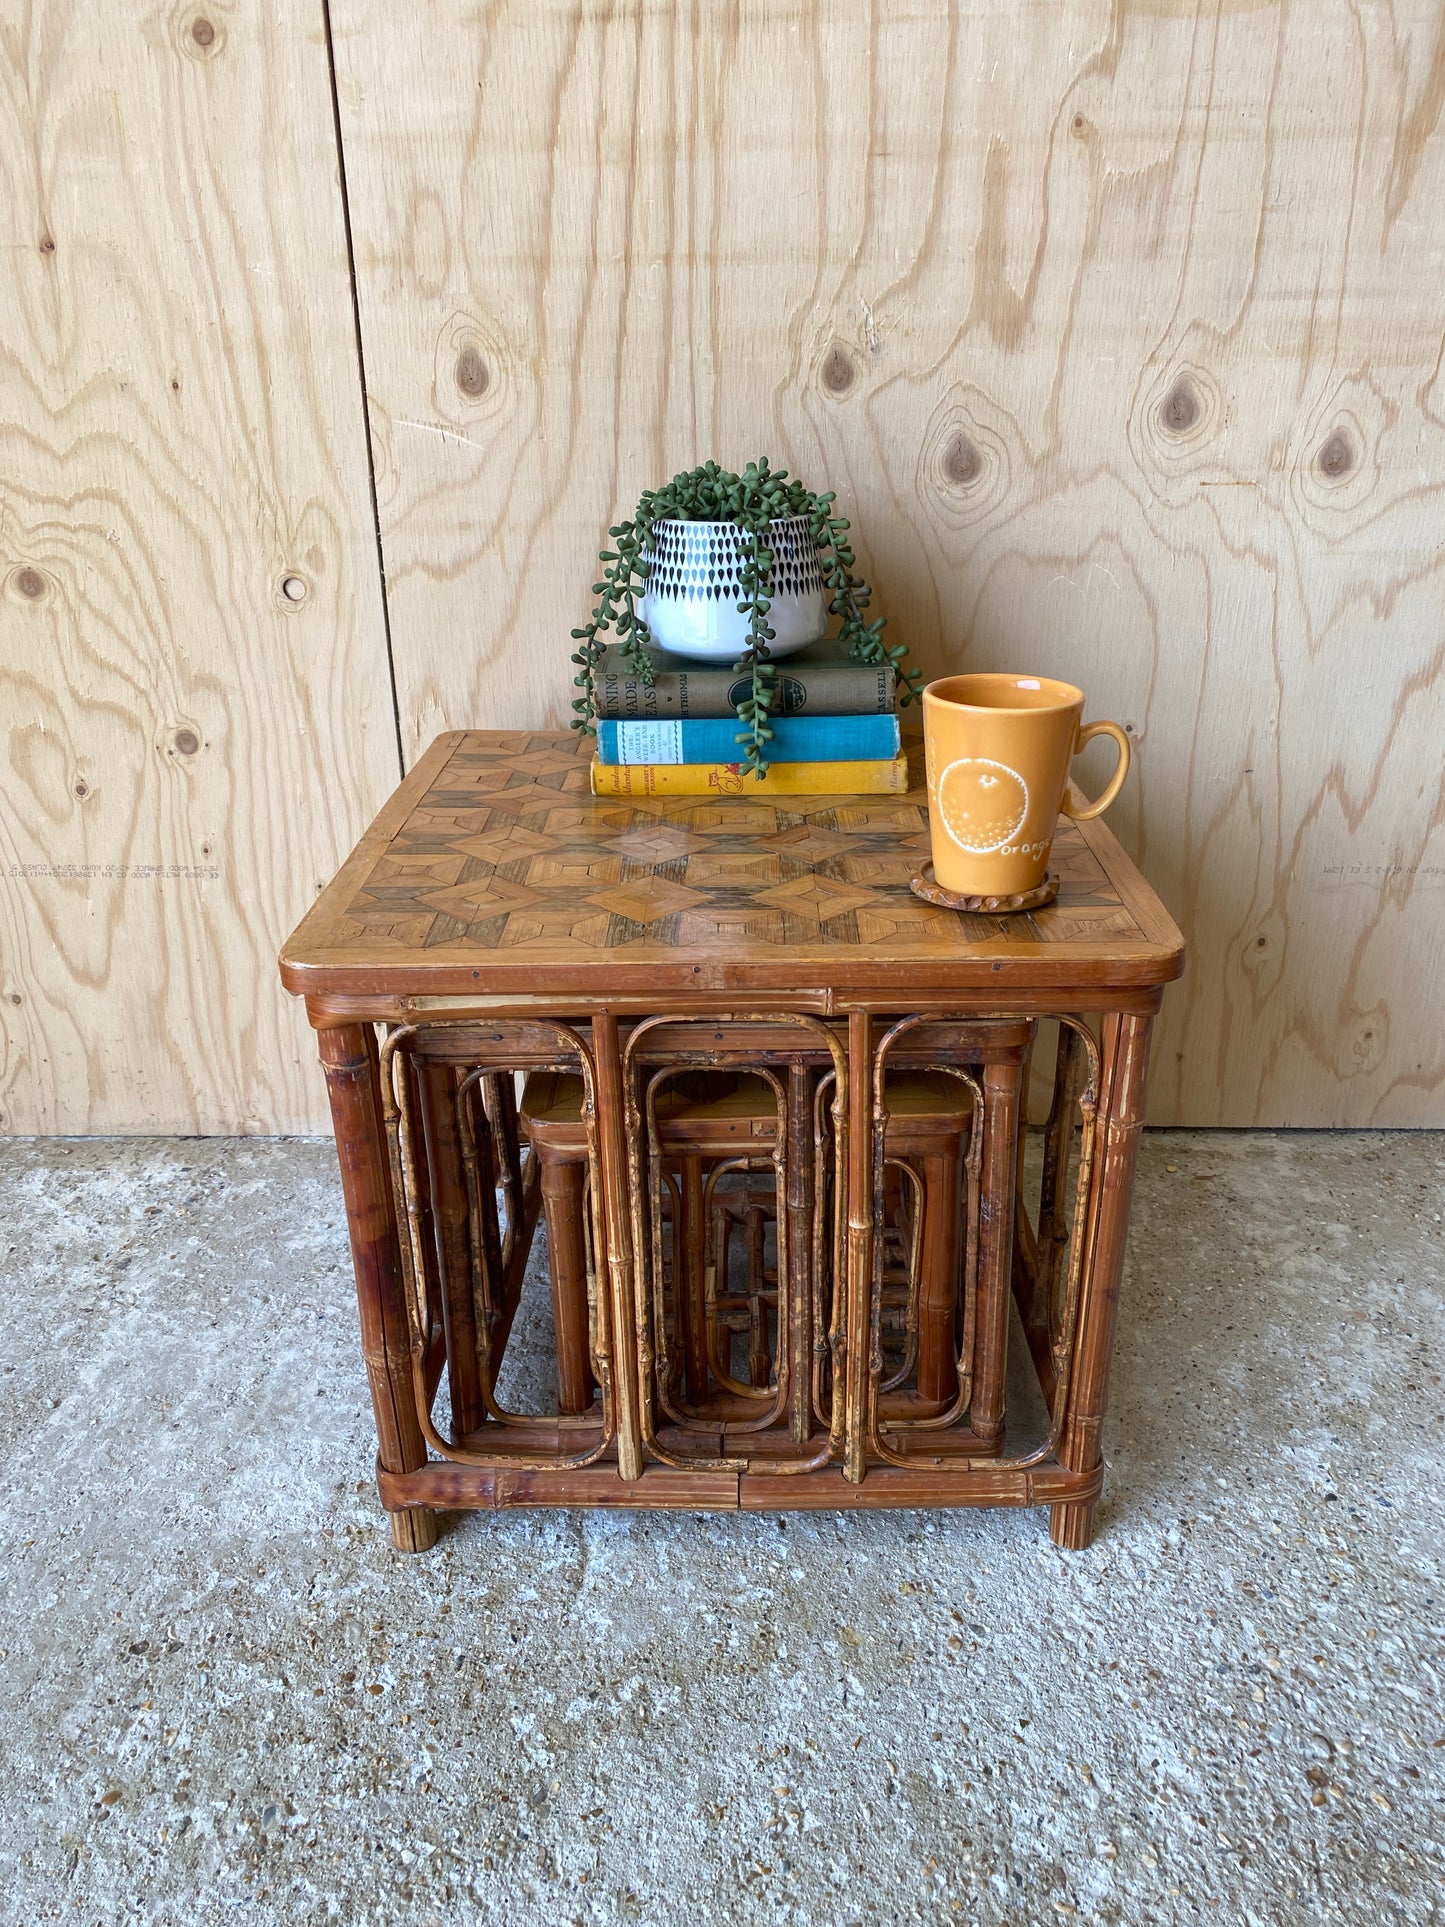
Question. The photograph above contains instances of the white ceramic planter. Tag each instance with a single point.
(691, 601)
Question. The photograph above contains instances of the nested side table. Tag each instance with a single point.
(498, 920)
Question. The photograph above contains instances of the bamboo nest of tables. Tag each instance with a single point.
(774, 1109)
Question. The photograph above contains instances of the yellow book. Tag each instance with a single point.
(887, 777)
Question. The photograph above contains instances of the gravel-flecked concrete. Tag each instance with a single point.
(223, 1697)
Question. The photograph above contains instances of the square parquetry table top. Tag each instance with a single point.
(493, 869)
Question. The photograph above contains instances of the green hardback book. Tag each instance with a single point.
(821, 680)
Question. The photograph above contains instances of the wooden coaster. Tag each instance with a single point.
(924, 886)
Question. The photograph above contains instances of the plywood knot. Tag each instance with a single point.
(1337, 457)
(1179, 410)
(1174, 425)
(198, 36)
(961, 462)
(473, 371)
(839, 370)
(473, 376)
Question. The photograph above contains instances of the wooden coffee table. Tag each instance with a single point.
(497, 918)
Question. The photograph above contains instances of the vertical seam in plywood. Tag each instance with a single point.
(361, 379)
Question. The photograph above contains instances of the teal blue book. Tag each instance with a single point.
(796, 739)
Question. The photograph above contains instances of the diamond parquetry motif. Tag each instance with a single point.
(509, 850)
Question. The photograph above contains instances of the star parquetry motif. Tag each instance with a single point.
(508, 850)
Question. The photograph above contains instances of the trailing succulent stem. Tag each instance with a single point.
(753, 501)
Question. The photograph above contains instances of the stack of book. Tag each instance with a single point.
(835, 728)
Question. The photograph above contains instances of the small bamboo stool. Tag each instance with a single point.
(732, 1114)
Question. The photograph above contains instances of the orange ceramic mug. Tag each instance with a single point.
(998, 752)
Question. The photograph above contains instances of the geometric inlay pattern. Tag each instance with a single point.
(508, 850)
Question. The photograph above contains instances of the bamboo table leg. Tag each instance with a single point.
(1002, 1086)
(615, 1262)
(564, 1201)
(689, 1237)
(938, 1281)
(799, 1232)
(348, 1055)
(863, 1208)
(449, 1215)
(1121, 1117)
(500, 1104)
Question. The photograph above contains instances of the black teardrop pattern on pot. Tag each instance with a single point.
(699, 561)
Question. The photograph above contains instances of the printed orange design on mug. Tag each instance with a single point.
(998, 750)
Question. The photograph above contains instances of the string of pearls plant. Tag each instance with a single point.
(751, 502)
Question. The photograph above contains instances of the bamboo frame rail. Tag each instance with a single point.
(662, 1041)
(497, 920)
(397, 1102)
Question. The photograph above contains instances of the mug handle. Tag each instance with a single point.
(1082, 813)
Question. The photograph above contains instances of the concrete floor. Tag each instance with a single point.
(223, 1697)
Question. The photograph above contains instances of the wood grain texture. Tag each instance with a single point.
(194, 697)
(494, 869)
(1117, 328)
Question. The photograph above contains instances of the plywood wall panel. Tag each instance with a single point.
(188, 750)
(1117, 328)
